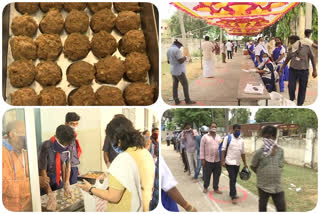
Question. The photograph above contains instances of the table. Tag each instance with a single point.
(66, 204)
(255, 79)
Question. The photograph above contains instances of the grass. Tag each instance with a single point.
(306, 178)
(193, 72)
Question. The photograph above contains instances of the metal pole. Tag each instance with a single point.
(200, 48)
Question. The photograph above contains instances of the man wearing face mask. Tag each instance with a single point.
(231, 157)
(72, 120)
(299, 55)
(260, 49)
(16, 195)
(267, 163)
(188, 139)
(178, 72)
(279, 56)
(210, 160)
(54, 162)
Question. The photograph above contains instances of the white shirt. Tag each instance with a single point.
(173, 56)
(258, 49)
(229, 46)
(307, 41)
(167, 179)
(235, 150)
(208, 49)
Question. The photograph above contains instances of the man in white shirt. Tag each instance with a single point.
(229, 49)
(307, 39)
(231, 158)
(208, 64)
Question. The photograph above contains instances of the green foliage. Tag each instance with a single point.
(240, 116)
(198, 117)
(283, 27)
(314, 23)
(305, 118)
(170, 126)
(191, 25)
(196, 53)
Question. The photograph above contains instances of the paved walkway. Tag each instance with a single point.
(222, 89)
(192, 192)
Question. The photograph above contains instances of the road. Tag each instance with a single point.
(209, 202)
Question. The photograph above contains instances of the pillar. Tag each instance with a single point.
(308, 154)
(308, 21)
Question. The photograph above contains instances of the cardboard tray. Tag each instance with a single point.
(149, 25)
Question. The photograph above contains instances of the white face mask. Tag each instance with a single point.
(265, 59)
(74, 128)
(213, 130)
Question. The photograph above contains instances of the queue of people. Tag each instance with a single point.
(216, 152)
(272, 60)
(131, 166)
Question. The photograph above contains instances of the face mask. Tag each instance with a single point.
(147, 138)
(74, 128)
(237, 134)
(117, 149)
(23, 141)
(213, 130)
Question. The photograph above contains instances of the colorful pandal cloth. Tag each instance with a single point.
(237, 18)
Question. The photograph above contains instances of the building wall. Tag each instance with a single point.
(91, 130)
(295, 149)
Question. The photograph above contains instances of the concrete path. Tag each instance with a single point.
(223, 88)
(209, 202)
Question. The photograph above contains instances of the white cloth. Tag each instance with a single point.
(235, 150)
(207, 49)
(296, 46)
(124, 168)
(208, 68)
(229, 46)
(258, 49)
(167, 179)
(192, 161)
(307, 41)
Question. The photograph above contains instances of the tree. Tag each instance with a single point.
(305, 118)
(170, 126)
(191, 26)
(198, 117)
(240, 116)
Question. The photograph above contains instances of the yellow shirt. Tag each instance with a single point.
(146, 169)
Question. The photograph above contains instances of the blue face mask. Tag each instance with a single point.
(116, 149)
(236, 134)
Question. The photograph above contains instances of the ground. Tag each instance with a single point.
(302, 201)
(221, 90)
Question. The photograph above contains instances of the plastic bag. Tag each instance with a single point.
(93, 203)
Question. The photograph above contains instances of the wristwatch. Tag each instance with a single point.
(90, 190)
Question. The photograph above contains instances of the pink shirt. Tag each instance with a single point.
(209, 148)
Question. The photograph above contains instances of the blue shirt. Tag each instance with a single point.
(173, 55)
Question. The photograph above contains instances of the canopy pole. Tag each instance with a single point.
(200, 48)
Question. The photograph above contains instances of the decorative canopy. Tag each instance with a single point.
(237, 18)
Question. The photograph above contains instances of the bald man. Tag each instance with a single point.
(16, 194)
